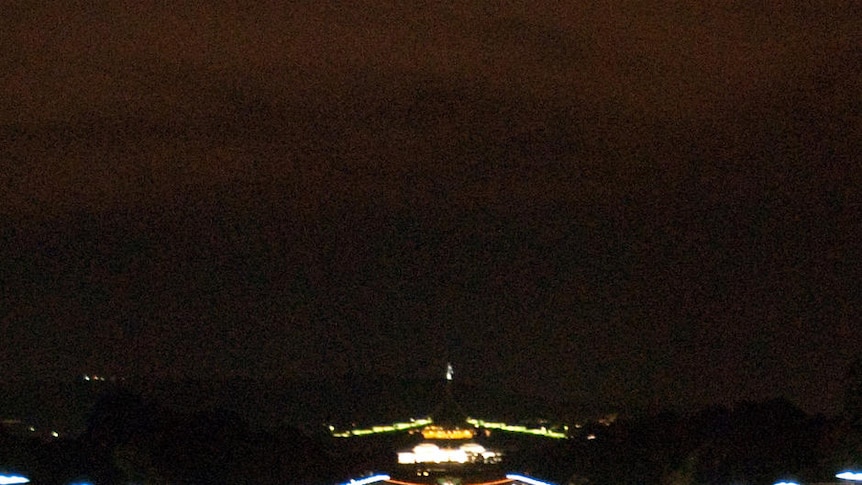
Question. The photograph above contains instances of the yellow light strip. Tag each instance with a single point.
(516, 428)
(451, 434)
(382, 429)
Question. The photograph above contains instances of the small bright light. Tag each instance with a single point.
(786, 483)
(367, 480)
(10, 479)
(848, 475)
(55, 434)
(527, 480)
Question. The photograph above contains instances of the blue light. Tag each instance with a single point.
(10, 479)
(527, 480)
(848, 475)
(786, 483)
(367, 480)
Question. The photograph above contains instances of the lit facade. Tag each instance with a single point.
(432, 453)
(433, 432)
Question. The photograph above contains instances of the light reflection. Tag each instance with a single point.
(527, 480)
(850, 475)
(10, 479)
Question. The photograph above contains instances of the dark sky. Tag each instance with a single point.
(631, 203)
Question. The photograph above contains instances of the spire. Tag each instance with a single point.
(448, 413)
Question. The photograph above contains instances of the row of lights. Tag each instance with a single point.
(543, 431)
(414, 423)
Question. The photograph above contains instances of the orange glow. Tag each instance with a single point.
(438, 433)
(496, 482)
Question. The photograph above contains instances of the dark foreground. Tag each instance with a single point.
(129, 439)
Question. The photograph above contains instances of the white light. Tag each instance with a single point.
(848, 475)
(786, 483)
(367, 480)
(10, 479)
(431, 453)
(55, 434)
(527, 480)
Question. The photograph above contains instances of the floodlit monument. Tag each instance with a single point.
(453, 449)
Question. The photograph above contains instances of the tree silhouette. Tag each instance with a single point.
(853, 393)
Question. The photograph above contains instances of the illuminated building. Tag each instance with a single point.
(432, 453)
(452, 451)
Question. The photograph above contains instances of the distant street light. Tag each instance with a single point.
(850, 475)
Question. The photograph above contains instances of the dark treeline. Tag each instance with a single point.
(131, 439)
(752, 443)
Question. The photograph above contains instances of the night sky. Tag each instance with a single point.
(629, 203)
